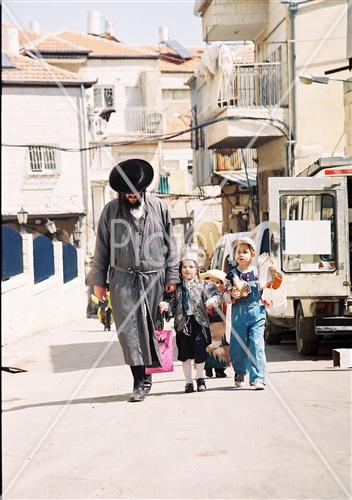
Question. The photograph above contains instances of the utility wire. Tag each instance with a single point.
(162, 137)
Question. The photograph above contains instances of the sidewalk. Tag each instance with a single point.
(69, 432)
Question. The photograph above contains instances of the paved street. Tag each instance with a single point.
(69, 432)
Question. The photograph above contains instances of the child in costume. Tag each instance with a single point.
(248, 317)
(189, 305)
(218, 349)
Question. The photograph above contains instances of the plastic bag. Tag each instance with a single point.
(166, 347)
(275, 300)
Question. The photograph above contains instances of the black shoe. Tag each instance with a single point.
(189, 387)
(220, 373)
(137, 395)
(147, 383)
(209, 372)
(201, 385)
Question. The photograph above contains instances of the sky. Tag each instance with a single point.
(134, 21)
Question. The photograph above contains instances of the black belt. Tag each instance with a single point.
(137, 271)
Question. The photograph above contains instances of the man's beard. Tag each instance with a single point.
(130, 205)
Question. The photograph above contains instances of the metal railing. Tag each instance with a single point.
(130, 121)
(232, 159)
(251, 85)
(139, 121)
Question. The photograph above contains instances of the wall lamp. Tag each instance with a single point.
(77, 235)
(309, 79)
(22, 217)
(51, 227)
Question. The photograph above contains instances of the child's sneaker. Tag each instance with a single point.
(258, 385)
(201, 385)
(209, 372)
(239, 380)
(189, 387)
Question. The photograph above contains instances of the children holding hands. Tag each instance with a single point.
(195, 301)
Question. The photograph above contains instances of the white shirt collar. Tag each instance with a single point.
(139, 211)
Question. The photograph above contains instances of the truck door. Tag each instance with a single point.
(309, 235)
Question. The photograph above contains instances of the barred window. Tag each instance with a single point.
(103, 97)
(42, 159)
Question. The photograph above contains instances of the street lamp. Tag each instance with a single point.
(77, 235)
(309, 79)
(22, 217)
(51, 227)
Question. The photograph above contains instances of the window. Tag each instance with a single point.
(171, 166)
(104, 97)
(176, 94)
(42, 159)
(308, 233)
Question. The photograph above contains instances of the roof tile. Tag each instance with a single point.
(34, 70)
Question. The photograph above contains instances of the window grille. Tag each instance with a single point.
(103, 97)
(42, 159)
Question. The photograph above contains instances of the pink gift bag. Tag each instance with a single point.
(166, 347)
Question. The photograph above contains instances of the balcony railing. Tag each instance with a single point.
(130, 121)
(234, 159)
(251, 85)
(143, 121)
(256, 85)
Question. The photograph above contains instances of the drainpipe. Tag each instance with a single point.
(85, 182)
(292, 8)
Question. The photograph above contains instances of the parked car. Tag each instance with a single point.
(223, 253)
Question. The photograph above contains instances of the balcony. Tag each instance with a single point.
(224, 20)
(139, 121)
(236, 165)
(253, 90)
(127, 122)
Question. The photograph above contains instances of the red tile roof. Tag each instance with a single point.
(101, 47)
(36, 71)
(169, 61)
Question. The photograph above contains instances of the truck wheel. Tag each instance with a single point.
(306, 338)
(272, 333)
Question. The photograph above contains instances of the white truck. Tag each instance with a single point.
(310, 238)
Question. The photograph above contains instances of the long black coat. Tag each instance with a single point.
(138, 272)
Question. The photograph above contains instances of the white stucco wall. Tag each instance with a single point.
(41, 115)
(29, 308)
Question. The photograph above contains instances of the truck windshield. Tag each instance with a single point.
(308, 234)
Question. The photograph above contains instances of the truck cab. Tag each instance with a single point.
(310, 238)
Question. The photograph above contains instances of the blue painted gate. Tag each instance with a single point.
(43, 257)
(12, 253)
(69, 256)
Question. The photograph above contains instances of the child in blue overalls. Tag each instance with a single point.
(248, 317)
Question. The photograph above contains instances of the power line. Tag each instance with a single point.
(275, 122)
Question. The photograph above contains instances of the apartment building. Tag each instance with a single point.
(140, 97)
(262, 105)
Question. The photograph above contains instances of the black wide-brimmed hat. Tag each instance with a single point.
(131, 176)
